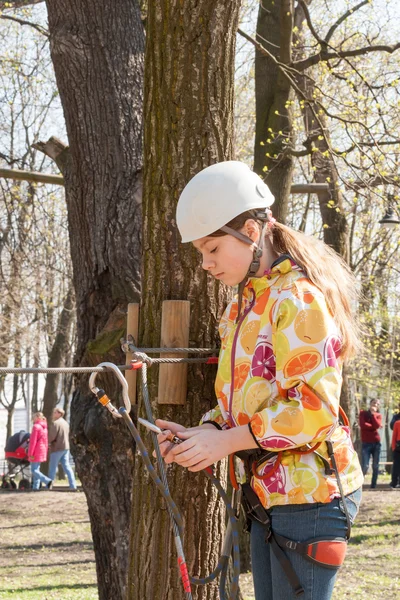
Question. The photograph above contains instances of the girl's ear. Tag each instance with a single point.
(251, 229)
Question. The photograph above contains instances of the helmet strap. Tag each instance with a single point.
(255, 263)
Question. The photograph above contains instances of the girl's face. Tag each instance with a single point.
(226, 258)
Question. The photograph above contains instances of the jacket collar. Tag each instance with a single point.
(281, 266)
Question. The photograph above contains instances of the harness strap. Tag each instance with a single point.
(328, 552)
(255, 510)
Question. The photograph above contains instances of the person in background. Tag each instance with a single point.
(59, 448)
(37, 451)
(370, 423)
(395, 417)
(396, 455)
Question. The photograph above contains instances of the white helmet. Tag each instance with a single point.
(217, 195)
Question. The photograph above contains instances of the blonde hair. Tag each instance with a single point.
(328, 272)
(60, 411)
(325, 269)
(38, 416)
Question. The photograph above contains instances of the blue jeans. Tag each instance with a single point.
(299, 522)
(371, 449)
(37, 476)
(62, 456)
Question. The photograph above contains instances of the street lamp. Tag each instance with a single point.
(391, 218)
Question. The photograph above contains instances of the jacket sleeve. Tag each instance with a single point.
(52, 433)
(306, 346)
(33, 441)
(372, 423)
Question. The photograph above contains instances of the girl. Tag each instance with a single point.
(37, 451)
(283, 342)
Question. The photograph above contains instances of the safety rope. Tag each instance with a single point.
(232, 535)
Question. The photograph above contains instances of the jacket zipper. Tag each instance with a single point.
(233, 352)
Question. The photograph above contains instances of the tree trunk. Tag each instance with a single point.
(56, 356)
(331, 203)
(274, 118)
(189, 91)
(97, 50)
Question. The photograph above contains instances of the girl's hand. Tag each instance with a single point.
(202, 447)
(170, 427)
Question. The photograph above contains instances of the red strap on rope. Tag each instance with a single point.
(213, 360)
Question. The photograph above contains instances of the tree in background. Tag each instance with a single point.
(34, 254)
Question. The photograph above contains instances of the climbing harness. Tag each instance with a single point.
(325, 551)
(231, 542)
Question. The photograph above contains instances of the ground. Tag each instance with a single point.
(46, 551)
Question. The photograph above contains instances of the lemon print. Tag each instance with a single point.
(256, 393)
(287, 312)
(310, 326)
(282, 349)
(305, 478)
(237, 401)
(326, 383)
(248, 336)
(224, 367)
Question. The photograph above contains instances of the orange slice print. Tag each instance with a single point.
(342, 457)
(257, 425)
(301, 361)
(259, 490)
(309, 399)
(241, 372)
(261, 302)
(242, 418)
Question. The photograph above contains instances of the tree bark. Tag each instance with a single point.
(97, 48)
(189, 92)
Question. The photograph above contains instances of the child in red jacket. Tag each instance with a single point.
(37, 451)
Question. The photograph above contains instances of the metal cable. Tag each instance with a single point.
(232, 532)
(54, 370)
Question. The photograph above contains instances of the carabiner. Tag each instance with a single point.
(102, 396)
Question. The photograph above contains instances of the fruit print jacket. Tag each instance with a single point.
(279, 371)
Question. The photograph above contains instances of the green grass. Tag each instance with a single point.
(46, 550)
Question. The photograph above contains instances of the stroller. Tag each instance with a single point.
(17, 460)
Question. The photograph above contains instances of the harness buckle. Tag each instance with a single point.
(291, 545)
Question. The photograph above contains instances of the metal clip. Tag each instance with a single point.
(101, 395)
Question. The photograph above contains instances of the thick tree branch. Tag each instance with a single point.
(369, 145)
(323, 56)
(56, 150)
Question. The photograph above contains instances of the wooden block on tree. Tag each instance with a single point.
(172, 381)
(132, 328)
